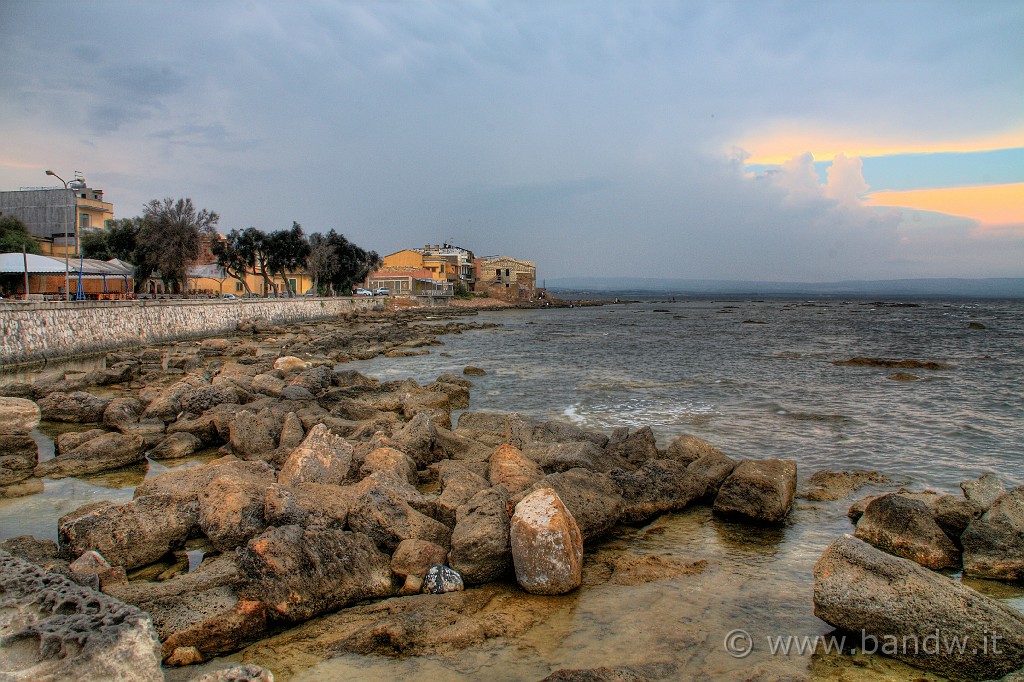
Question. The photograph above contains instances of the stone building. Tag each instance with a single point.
(506, 278)
(58, 216)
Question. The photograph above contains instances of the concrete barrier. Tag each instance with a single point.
(44, 331)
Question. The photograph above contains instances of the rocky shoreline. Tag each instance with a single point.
(335, 493)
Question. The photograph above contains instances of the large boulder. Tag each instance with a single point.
(994, 544)
(510, 469)
(591, 497)
(54, 629)
(188, 483)
(577, 454)
(231, 507)
(984, 490)
(687, 448)
(481, 547)
(385, 515)
(416, 439)
(201, 609)
(759, 491)
(389, 460)
(307, 504)
(129, 535)
(78, 407)
(202, 398)
(108, 451)
(905, 527)
(122, 411)
(458, 485)
(547, 547)
(250, 437)
(176, 446)
(711, 470)
(18, 416)
(300, 573)
(321, 458)
(19, 455)
(921, 617)
(656, 487)
(635, 447)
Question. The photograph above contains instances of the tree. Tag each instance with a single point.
(288, 250)
(254, 248)
(354, 263)
(233, 257)
(321, 262)
(94, 245)
(169, 237)
(14, 235)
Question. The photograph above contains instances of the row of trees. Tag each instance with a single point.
(167, 238)
(335, 263)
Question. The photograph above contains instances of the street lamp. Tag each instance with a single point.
(67, 267)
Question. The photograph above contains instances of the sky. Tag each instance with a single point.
(788, 141)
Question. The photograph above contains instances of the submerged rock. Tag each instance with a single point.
(912, 613)
(834, 485)
(547, 547)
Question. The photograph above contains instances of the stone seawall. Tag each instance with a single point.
(44, 331)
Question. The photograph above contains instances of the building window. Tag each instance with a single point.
(83, 220)
(238, 286)
(292, 285)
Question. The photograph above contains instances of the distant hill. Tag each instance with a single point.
(999, 287)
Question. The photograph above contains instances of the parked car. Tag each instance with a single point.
(382, 291)
(230, 297)
(362, 292)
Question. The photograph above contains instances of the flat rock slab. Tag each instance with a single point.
(54, 629)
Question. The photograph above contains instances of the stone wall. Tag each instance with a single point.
(42, 331)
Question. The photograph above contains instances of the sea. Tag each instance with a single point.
(758, 379)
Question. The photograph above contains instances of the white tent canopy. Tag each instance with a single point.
(44, 265)
(37, 265)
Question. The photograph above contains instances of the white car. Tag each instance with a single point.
(382, 291)
(362, 292)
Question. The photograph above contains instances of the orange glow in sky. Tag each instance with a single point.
(990, 204)
(790, 141)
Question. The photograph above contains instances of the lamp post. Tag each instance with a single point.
(67, 267)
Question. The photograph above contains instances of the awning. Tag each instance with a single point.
(37, 265)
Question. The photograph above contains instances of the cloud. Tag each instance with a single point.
(846, 181)
(590, 137)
